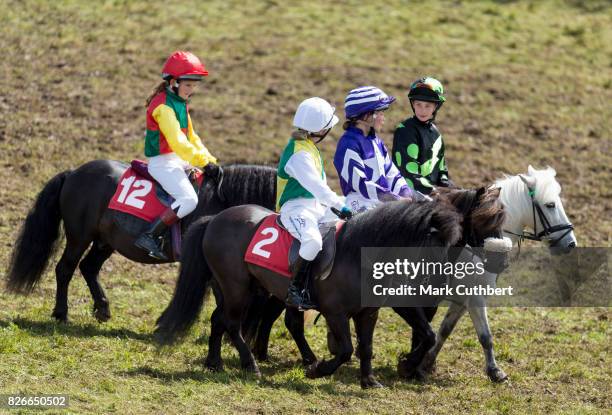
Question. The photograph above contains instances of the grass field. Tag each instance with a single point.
(527, 82)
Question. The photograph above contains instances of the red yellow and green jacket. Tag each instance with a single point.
(169, 129)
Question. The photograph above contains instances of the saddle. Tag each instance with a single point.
(272, 247)
(139, 200)
(324, 261)
(194, 175)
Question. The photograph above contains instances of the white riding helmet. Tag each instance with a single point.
(315, 114)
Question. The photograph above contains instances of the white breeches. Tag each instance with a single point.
(301, 218)
(169, 171)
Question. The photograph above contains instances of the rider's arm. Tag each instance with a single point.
(178, 142)
(396, 181)
(405, 152)
(197, 141)
(302, 168)
(444, 179)
(352, 172)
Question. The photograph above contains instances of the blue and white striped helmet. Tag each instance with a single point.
(366, 99)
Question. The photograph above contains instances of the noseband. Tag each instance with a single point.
(547, 230)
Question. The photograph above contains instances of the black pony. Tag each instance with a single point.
(482, 216)
(216, 248)
(80, 198)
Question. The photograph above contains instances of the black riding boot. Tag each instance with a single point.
(150, 240)
(297, 294)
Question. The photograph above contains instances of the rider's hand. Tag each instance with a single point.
(345, 213)
(211, 169)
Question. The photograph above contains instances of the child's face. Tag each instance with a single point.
(186, 88)
(379, 120)
(424, 110)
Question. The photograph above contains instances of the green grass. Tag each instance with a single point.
(527, 82)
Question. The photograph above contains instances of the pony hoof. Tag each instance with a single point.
(262, 357)
(253, 371)
(427, 366)
(419, 375)
(404, 370)
(312, 372)
(308, 361)
(370, 383)
(60, 316)
(213, 366)
(497, 375)
(102, 314)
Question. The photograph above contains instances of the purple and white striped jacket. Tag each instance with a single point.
(365, 170)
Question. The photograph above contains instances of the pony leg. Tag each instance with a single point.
(233, 308)
(273, 308)
(217, 328)
(430, 312)
(416, 317)
(294, 321)
(340, 327)
(481, 324)
(90, 268)
(254, 317)
(454, 313)
(365, 322)
(64, 271)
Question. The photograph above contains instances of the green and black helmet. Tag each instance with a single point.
(427, 89)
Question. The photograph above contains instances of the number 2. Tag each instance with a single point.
(273, 232)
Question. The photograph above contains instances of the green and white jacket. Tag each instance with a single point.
(301, 177)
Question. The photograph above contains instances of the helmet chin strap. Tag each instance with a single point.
(321, 137)
(175, 87)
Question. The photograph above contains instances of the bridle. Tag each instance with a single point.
(547, 230)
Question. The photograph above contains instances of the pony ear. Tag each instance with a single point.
(480, 191)
(494, 191)
(530, 181)
(531, 171)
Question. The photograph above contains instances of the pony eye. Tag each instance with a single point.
(550, 205)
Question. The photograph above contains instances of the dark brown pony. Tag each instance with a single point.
(483, 216)
(216, 248)
(79, 198)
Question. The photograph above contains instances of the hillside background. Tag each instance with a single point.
(527, 82)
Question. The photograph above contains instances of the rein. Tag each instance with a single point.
(547, 228)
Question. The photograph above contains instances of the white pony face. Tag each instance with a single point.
(547, 195)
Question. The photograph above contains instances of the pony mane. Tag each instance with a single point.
(401, 223)
(547, 187)
(483, 211)
(246, 184)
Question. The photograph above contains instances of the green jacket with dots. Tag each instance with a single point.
(418, 153)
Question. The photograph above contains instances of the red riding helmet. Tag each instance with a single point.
(183, 65)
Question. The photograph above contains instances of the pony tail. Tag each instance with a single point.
(191, 287)
(159, 88)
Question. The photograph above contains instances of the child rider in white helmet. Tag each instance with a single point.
(302, 195)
